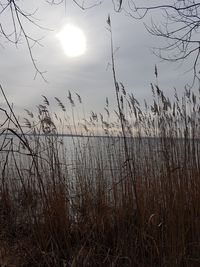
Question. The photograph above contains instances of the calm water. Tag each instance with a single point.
(89, 152)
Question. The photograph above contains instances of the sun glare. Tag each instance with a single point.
(72, 40)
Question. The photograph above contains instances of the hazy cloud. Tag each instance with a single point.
(87, 75)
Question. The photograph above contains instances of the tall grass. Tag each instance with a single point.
(100, 201)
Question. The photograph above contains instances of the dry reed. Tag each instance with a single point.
(100, 201)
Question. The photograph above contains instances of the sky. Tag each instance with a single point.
(89, 75)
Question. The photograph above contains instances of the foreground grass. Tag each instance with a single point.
(128, 200)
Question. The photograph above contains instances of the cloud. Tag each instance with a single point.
(87, 75)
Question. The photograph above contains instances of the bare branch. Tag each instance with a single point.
(179, 26)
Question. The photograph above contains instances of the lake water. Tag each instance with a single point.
(94, 153)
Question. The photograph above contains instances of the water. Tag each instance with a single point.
(93, 154)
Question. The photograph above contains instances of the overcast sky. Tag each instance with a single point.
(89, 74)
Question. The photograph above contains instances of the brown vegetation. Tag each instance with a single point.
(131, 198)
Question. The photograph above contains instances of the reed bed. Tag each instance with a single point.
(128, 198)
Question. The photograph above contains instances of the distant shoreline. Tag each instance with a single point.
(94, 136)
(59, 135)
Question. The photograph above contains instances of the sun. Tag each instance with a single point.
(73, 40)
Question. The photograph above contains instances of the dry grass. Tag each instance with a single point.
(131, 198)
